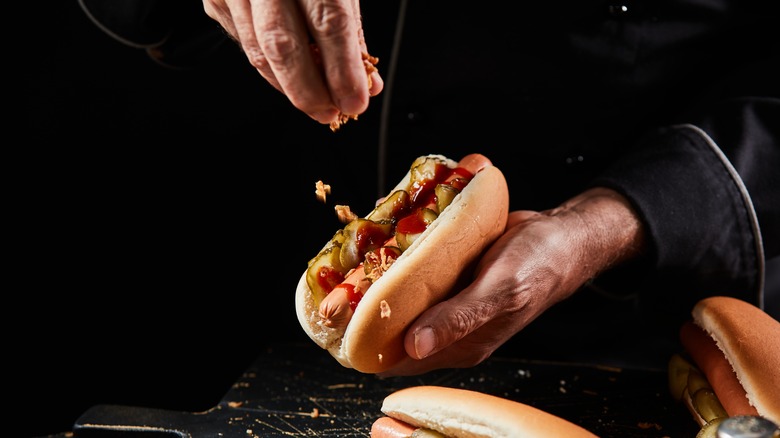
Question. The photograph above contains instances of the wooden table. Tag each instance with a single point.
(298, 390)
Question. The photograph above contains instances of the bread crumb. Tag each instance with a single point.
(384, 309)
(343, 385)
(381, 262)
(315, 413)
(322, 190)
(648, 425)
(345, 214)
(343, 118)
(235, 404)
(379, 356)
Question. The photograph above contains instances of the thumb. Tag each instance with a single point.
(446, 323)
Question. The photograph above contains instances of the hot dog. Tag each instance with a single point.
(377, 274)
(731, 365)
(438, 411)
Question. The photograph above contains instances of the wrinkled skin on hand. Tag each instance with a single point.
(310, 50)
(541, 259)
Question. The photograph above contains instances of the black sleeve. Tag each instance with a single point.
(708, 189)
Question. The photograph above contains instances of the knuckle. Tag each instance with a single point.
(256, 57)
(278, 46)
(463, 322)
(330, 19)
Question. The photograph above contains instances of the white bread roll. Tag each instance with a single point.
(456, 412)
(421, 277)
(750, 340)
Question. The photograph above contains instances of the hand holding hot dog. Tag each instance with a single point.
(541, 258)
(384, 295)
(376, 275)
(311, 51)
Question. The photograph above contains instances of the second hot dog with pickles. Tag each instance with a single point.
(378, 273)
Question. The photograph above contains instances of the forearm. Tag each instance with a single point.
(606, 230)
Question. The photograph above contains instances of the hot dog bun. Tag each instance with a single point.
(421, 277)
(456, 412)
(750, 340)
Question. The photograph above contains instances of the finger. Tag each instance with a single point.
(498, 293)
(463, 354)
(229, 12)
(375, 81)
(336, 29)
(220, 12)
(236, 18)
(285, 54)
(468, 351)
(377, 84)
(446, 323)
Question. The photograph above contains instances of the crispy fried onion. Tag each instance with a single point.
(381, 263)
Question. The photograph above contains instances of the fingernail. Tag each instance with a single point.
(424, 342)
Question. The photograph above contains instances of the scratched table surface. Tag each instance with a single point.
(300, 391)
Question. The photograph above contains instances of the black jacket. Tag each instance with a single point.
(675, 104)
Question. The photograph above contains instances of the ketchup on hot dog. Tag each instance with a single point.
(381, 242)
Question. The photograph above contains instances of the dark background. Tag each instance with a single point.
(162, 217)
(165, 216)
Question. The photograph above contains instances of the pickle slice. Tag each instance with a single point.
(710, 430)
(678, 370)
(445, 193)
(421, 219)
(361, 236)
(392, 207)
(425, 169)
(325, 272)
(707, 405)
(378, 261)
(697, 381)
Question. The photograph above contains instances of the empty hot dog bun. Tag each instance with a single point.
(455, 412)
(408, 282)
(737, 347)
